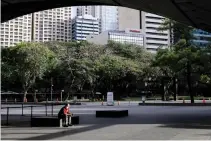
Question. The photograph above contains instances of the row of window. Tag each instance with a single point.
(156, 23)
(124, 35)
(122, 41)
(203, 38)
(156, 44)
(81, 31)
(85, 23)
(154, 33)
(157, 18)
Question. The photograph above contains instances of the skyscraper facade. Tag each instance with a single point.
(48, 25)
(85, 10)
(108, 18)
(82, 26)
(201, 38)
(128, 36)
(154, 38)
(15, 31)
(128, 18)
(53, 25)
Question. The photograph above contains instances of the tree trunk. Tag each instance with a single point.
(189, 82)
(163, 92)
(24, 95)
(68, 96)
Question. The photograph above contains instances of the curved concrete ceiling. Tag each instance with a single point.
(191, 12)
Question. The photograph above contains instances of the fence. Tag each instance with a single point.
(40, 97)
(46, 105)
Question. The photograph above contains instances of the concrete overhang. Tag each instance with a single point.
(191, 12)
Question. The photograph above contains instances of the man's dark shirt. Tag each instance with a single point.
(61, 113)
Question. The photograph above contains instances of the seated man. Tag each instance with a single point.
(65, 115)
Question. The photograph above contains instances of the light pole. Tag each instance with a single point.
(51, 89)
(61, 94)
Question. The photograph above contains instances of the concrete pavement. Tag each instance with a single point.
(144, 122)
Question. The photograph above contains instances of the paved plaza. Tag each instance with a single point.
(143, 123)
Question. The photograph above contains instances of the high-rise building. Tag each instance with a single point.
(15, 31)
(108, 18)
(82, 26)
(154, 38)
(201, 38)
(128, 36)
(53, 25)
(48, 25)
(85, 10)
(107, 15)
(96, 11)
(128, 18)
(149, 23)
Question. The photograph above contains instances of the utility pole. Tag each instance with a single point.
(176, 88)
(51, 89)
(61, 94)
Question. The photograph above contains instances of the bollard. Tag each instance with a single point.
(6, 100)
(118, 103)
(47, 100)
(52, 109)
(129, 103)
(46, 110)
(183, 100)
(31, 114)
(36, 100)
(102, 103)
(22, 109)
(15, 100)
(7, 115)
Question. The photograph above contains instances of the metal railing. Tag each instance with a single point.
(23, 106)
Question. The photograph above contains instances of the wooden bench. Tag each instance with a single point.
(48, 121)
(112, 113)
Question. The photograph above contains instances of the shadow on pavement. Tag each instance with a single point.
(70, 131)
(24, 121)
(183, 121)
(187, 126)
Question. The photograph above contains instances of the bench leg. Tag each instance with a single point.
(70, 121)
(60, 123)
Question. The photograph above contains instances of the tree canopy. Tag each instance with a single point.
(121, 68)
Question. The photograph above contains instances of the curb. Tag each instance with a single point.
(41, 103)
(174, 104)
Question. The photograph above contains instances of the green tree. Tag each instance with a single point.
(178, 31)
(78, 65)
(126, 63)
(181, 60)
(29, 61)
